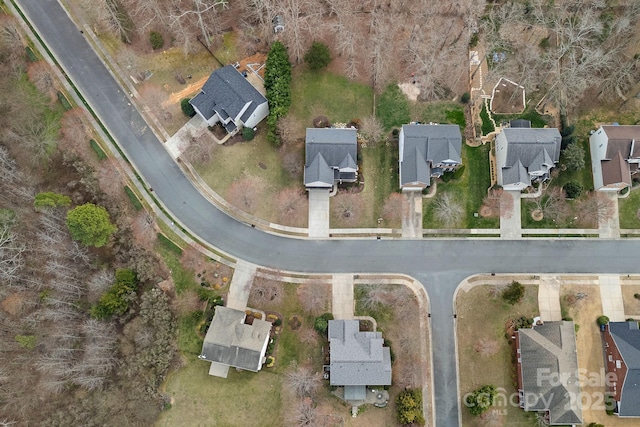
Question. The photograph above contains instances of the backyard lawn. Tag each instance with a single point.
(486, 357)
(470, 189)
(322, 93)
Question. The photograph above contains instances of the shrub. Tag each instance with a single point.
(277, 83)
(134, 199)
(248, 134)
(31, 55)
(90, 225)
(465, 97)
(187, 109)
(574, 156)
(602, 320)
(473, 40)
(321, 324)
(156, 40)
(49, 199)
(487, 125)
(97, 149)
(513, 293)
(636, 296)
(277, 322)
(64, 101)
(26, 341)
(409, 407)
(481, 399)
(118, 297)
(318, 56)
(573, 189)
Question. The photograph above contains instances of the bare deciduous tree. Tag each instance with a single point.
(372, 130)
(41, 75)
(292, 207)
(303, 414)
(265, 292)
(448, 211)
(12, 249)
(315, 296)
(289, 129)
(246, 193)
(348, 207)
(594, 209)
(302, 381)
(553, 204)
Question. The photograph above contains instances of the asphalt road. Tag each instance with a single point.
(439, 264)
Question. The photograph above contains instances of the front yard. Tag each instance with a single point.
(485, 353)
(468, 187)
(629, 209)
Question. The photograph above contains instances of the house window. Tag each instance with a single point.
(610, 358)
(618, 364)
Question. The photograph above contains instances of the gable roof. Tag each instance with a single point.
(535, 149)
(549, 364)
(426, 145)
(357, 358)
(615, 170)
(330, 155)
(626, 336)
(231, 342)
(227, 93)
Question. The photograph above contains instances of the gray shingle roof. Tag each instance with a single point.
(424, 146)
(627, 338)
(550, 371)
(226, 93)
(536, 149)
(229, 341)
(357, 358)
(330, 155)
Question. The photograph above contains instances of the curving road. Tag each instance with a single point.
(439, 264)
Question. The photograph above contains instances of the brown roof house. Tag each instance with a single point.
(230, 342)
(622, 350)
(357, 359)
(615, 155)
(547, 366)
(426, 151)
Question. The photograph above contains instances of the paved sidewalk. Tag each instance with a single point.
(609, 225)
(510, 217)
(318, 213)
(240, 285)
(412, 214)
(549, 299)
(342, 296)
(611, 296)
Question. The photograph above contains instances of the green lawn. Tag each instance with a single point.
(537, 120)
(438, 112)
(331, 95)
(392, 107)
(583, 176)
(629, 210)
(254, 158)
(471, 188)
(242, 399)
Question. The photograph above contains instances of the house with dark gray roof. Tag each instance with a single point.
(547, 369)
(357, 359)
(622, 352)
(230, 99)
(525, 155)
(426, 151)
(331, 157)
(615, 156)
(232, 342)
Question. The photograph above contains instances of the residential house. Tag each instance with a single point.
(547, 369)
(525, 155)
(232, 342)
(357, 359)
(615, 156)
(229, 99)
(331, 157)
(426, 151)
(622, 350)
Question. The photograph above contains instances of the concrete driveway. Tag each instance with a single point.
(342, 296)
(510, 217)
(319, 212)
(611, 296)
(412, 214)
(549, 299)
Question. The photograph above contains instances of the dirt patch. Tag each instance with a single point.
(537, 215)
(486, 347)
(488, 212)
(507, 97)
(411, 90)
(187, 92)
(631, 304)
(262, 166)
